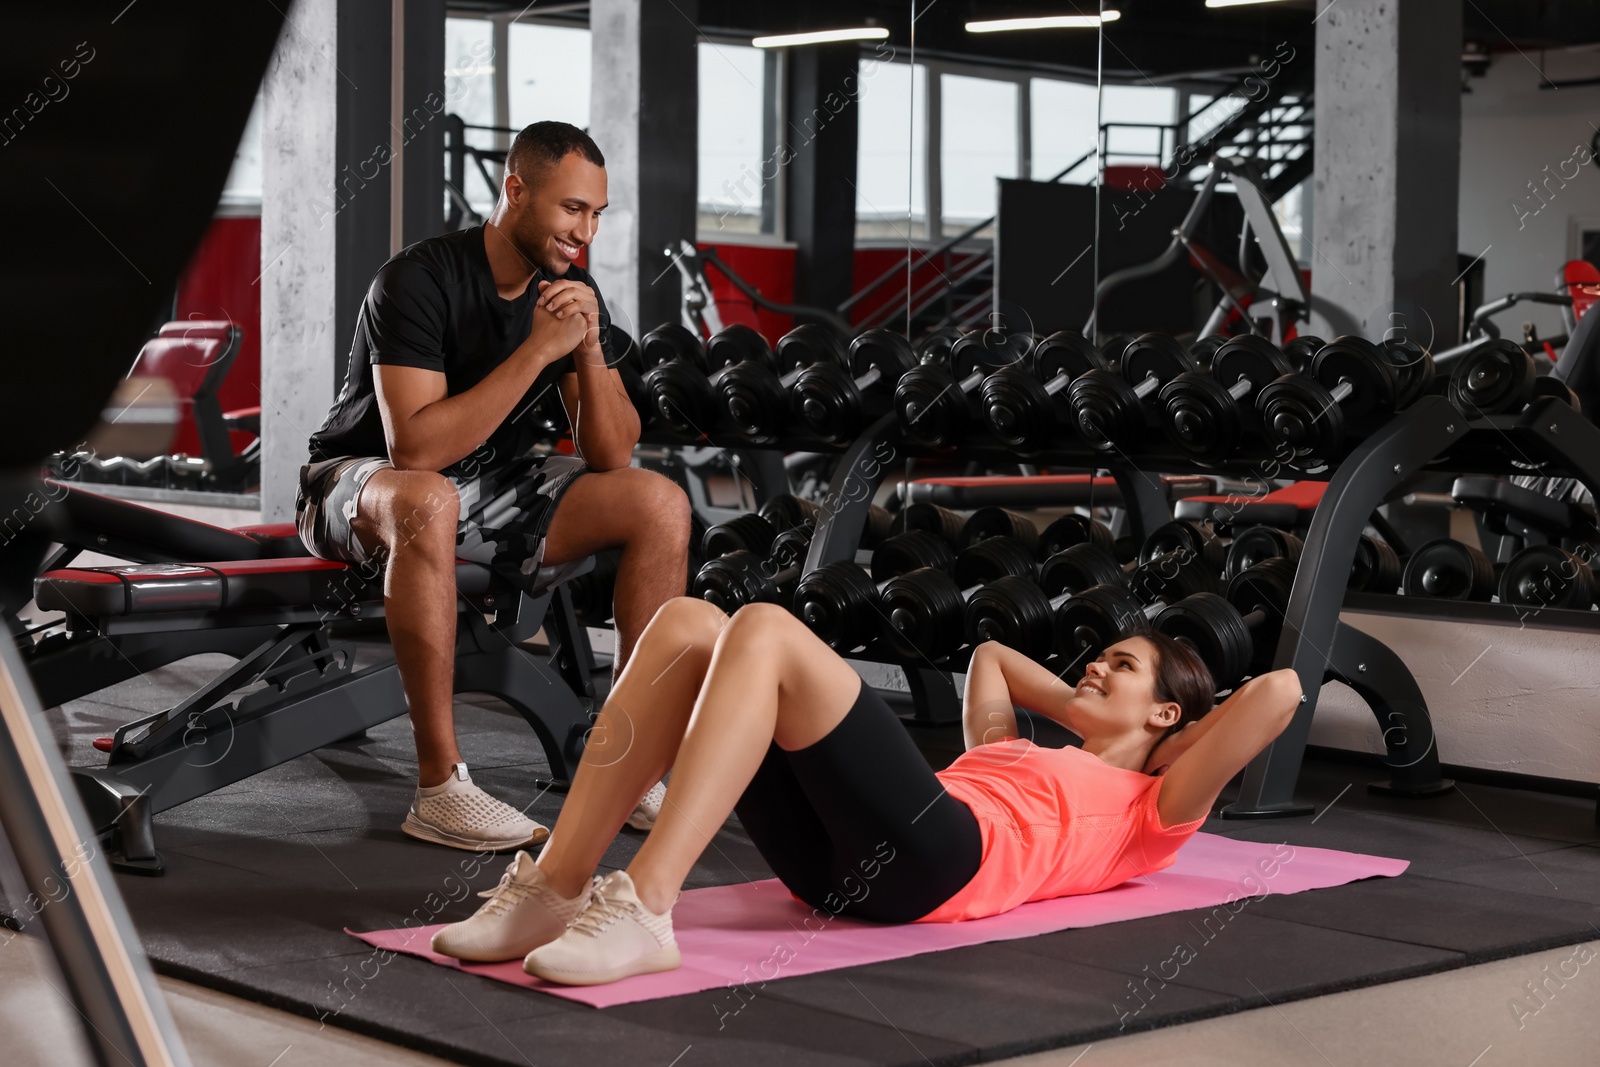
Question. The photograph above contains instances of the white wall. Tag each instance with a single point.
(1511, 131)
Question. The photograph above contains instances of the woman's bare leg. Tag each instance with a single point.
(635, 738)
(770, 679)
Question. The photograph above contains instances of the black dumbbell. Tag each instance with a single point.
(840, 603)
(1186, 538)
(1302, 349)
(926, 608)
(754, 394)
(787, 512)
(941, 522)
(993, 521)
(1204, 415)
(836, 404)
(1074, 529)
(680, 396)
(1114, 346)
(1235, 636)
(1023, 614)
(936, 402)
(1206, 347)
(1493, 378)
(1113, 606)
(1023, 407)
(936, 346)
(1413, 365)
(1449, 570)
(1112, 410)
(1351, 388)
(1547, 576)
(1376, 568)
(750, 532)
(1256, 544)
(744, 577)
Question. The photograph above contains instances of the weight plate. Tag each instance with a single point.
(1066, 352)
(993, 558)
(909, 551)
(1493, 378)
(1546, 576)
(935, 348)
(929, 406)
(1300, 416)
(670, 341)
(736, 344)
(884, 350)
(1078, 567)
(994, 521)
(1413, 365)
(1374, 382)
(1204, 349)
(1014, 612)
(1301, 350)
(941, 522)
(1074, 529)
(1097, 617)
(1251, 358)
(825, 398)
(681, 399)
(810, 343)
(1256, 544)
(1200, 418)
(1449, 570)
(1111, 348)
(1376, 568)
(839, 603)
(1155, 355)
(1017, 410)
(1106, 412)
(1210, 625)
(752, 397)
(923, 614)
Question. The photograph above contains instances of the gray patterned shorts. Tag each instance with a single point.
(505, 511)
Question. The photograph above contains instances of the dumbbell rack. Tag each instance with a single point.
(1314, 642)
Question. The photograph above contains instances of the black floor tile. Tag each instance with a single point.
(1464, 918)
(1006, 999)
(1568, 873)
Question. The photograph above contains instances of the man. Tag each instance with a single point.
(425, 457)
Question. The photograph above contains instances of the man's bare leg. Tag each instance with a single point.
(645, 514)
(411, 516)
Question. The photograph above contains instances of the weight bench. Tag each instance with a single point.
(235, 726)
(1288, 508)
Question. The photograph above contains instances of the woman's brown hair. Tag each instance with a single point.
(1182, 678)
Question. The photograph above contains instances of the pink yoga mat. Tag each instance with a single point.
(756, 932)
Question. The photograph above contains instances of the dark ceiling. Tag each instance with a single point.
(1154, 39)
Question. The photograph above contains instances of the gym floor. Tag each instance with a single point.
(246, 930)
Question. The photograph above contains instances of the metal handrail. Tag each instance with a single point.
(947, 245)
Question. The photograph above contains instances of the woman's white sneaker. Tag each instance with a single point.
(615, 937)
(522, 913)
(461, 815)
(644, 816)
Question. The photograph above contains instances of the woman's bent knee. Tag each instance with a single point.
(688, 616)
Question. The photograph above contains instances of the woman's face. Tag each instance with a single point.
(1117, 692)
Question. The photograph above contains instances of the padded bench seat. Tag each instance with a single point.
(1285, 508)
(238, 585)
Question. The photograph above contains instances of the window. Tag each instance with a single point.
(891, 156)
(1063, 129)
(469, 72)
(547, 75)
(242, 191)
(1139, 104)
(978, 143)
(734, 177)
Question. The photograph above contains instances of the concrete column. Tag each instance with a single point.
(328, 142)
(298, 154)
(644, 115)
(823, 129)
(1388, 148)
(425, 88)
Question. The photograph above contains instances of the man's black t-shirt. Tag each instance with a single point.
(434, 305)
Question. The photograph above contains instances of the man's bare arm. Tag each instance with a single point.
(426, 429)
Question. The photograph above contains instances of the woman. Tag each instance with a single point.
(754, 714)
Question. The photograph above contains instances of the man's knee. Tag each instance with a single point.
(418, 507)
(663, 507)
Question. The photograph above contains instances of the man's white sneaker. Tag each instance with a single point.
(644, 816)
(461, 815)
(523, 913)
(614, 938)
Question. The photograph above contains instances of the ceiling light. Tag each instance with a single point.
(784, 40)
(1238, 3)
(1049, 22)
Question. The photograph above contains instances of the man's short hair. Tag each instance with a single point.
(544, 145)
